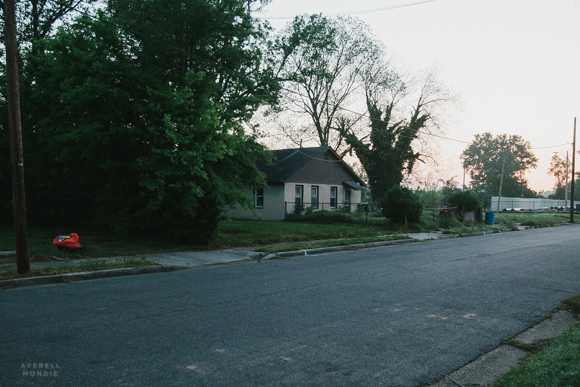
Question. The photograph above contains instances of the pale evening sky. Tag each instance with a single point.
(514, 62)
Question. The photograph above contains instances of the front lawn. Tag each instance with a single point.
(230, 234)
(247, 233)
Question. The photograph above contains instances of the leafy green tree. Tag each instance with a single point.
(141, 129)
(401, 205)
(387, 152)
(484, 160)
(449, 188)
(559, 169)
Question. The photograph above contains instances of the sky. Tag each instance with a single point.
(515, 64)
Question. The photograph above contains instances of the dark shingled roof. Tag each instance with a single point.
(288, 162)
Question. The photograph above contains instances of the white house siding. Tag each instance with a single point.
(280, 198)
(323, 195)
(273, 205)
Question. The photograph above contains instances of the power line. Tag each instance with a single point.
(553, 146)
(353, 12)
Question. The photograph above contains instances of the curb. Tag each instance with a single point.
(320, 250)
(84, 275)
(490, 366)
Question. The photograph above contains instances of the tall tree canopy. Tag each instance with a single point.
(484, 161)
(134, 120)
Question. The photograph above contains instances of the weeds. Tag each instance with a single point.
(556, 364)
(88, 265)
(328, 243)
(572, 304)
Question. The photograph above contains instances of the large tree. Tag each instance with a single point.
(484, 159)
(400, 113)
(140, 128)
(559, 169)
(319, 61)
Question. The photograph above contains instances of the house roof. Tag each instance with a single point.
(288, 162)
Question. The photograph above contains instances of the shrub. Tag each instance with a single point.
(400, 202)
(447, 222)
(464, 201)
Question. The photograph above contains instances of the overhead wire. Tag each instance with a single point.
(353, 12)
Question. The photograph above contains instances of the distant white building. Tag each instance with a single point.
(533, 204)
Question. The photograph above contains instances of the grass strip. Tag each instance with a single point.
(88, 265)
(327, 243)
(556, 365)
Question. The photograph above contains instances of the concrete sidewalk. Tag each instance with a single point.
(487, 368)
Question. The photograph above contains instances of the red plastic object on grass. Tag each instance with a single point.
(70, 241)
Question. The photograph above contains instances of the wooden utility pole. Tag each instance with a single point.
(573, 164)
(22, 255)
(501, 183)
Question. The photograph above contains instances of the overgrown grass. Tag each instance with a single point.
(333, 217)
(327, 243)
(553, 363)
(246, 233)
(572, 304)
(233, 233)
(88, 265)
(243, 233)
(557, 364)
(531, 219)
(96, 244)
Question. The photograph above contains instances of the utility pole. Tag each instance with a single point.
(566, 189)
(16, 153)
(573, 164)
(501, 183)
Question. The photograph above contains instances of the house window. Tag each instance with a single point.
(333, 191)
(314, 197)
(259, 198)
(298, 196)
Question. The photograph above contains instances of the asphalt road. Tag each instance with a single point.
(392, 316)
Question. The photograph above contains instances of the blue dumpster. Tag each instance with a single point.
(490, 218)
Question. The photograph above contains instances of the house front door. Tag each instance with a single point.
(347, 200)
(299, 192)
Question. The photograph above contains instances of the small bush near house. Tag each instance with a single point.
(400, 202)
(448, 222)
(464, 201)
